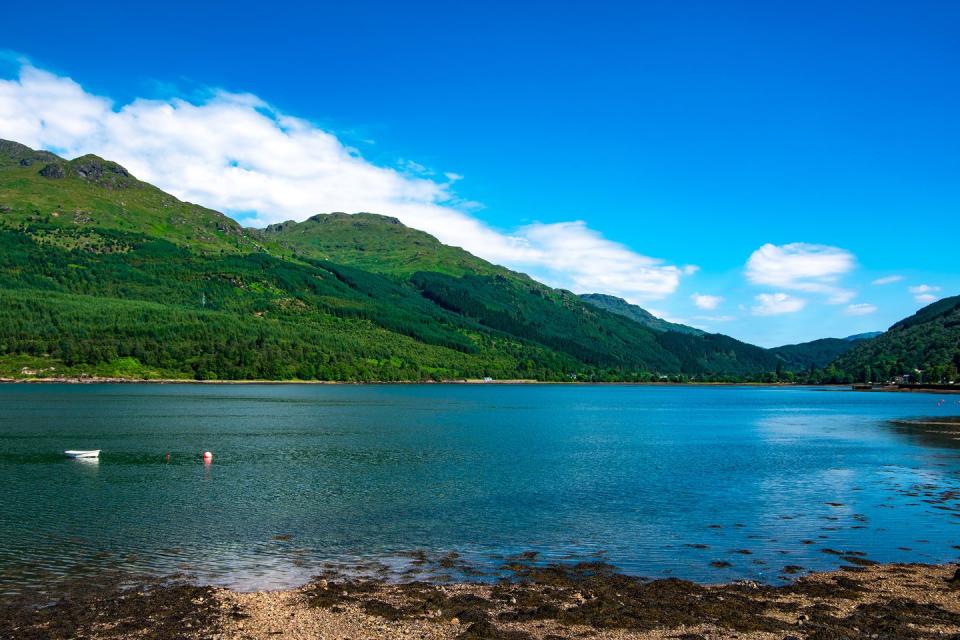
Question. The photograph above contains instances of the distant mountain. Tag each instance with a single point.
(636, 313)
(818, 353)
(101, 273)
(928, 340)
(863, 336)
(696, 348)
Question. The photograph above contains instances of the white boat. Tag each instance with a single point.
(82, 454)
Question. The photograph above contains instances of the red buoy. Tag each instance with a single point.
(207, 456)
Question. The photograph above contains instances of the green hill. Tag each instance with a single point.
(927, 340)
(817, 353)
(514, 303)
(379, 244)
(91, 193)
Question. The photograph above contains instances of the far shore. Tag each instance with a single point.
(908, 601)
(470, 381)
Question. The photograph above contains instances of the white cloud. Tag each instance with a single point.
(704, 301)
(924, 293)
(923, 288)
(714, 318)
(860, 309)
(887, 280)
(573, 256)
(774, 304)
(236, 153)
(798, 266)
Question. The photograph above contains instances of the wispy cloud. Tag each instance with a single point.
(861, 309)
(236, 153)
(924, 293)
(704, 301)
(798, 266)
(887, 280)
(573, 256)
(709, 319)
(775, 304)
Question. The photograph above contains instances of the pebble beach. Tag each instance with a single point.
(902, 601)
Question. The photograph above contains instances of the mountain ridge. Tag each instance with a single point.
(636, 313)
(88, 236)
(337, 296)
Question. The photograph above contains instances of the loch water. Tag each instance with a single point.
(708, 483)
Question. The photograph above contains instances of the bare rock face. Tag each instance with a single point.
(54, 170)
(102, 172)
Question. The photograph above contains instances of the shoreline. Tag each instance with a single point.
(471, 382)
(909, 601)
(96, 380)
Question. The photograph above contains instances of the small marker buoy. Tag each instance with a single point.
(207, 456)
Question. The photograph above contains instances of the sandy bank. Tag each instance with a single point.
(877, 601)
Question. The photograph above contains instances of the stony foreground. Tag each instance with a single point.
(893, 601)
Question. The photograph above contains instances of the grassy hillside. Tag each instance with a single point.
(928, 340)
(252, 316)
(91, 193)
(379, 244)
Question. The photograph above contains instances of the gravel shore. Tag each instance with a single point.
(886, 601)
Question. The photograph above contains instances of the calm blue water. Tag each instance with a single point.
(364, 475)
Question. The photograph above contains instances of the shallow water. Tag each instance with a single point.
(656, 480)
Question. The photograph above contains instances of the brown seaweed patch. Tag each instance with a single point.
(603, 600)
(485, 630)
(898, 618)
(107, 609)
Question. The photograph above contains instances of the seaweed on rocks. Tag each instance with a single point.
(594, 595)
(110, 608)
(896, 619)
(838, 587)
(485, 630)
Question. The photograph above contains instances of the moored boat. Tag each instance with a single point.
(72, 453)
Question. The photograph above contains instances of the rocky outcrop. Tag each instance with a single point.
(103, 172)
(53, 170)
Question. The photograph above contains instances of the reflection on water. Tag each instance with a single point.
(707, 483)
(930, 431)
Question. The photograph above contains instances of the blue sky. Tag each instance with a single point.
(651, 150)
